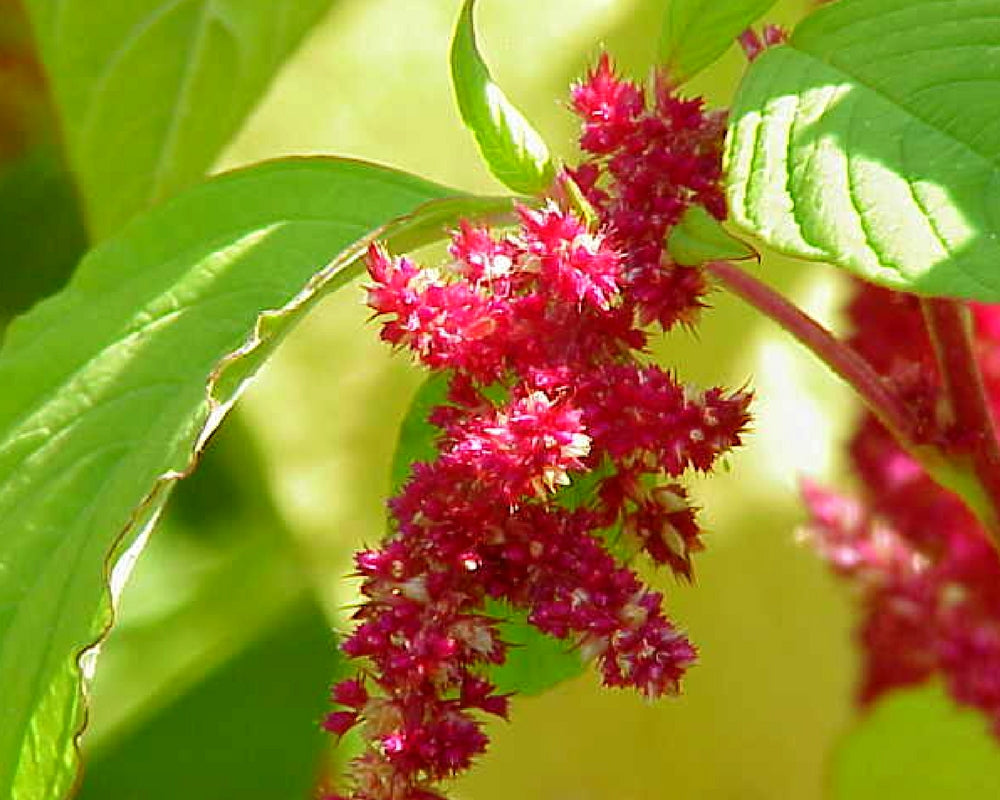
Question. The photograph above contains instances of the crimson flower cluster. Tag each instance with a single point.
(926, 574)
(539, 331)
(646, 162)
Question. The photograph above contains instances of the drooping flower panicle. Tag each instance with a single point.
(539, 330)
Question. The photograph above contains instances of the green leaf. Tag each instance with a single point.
(696, 32)
(212, 581)
(246, 730)
(699, 237)
(880, 154)
(112, 387)
(43, 229)
(417, 439)
(918, 745)
(535, 661)
(149, 91)
(511, 148)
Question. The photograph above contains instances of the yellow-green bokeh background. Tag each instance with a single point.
(772, 693)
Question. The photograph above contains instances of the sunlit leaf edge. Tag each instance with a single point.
(426, 224)
(684, 29)
(512, 149)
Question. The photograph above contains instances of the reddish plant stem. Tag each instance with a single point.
(971, 424)
(837, 355)
(974, 473)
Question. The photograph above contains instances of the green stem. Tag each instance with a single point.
(970, 426)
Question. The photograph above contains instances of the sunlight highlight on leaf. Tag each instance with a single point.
(106, 407)
(696, 32)
(878, 155)
(148, 97)
(511, 148)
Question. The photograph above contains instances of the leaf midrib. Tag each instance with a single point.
(179, 108)
(138, 31)
(13, 429)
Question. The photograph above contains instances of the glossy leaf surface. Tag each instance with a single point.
(510, 146)
(880, 154)
(697, 32)
(700, 237)
(112, 386)
(149, 96)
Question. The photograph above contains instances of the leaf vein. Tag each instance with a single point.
(179, 108)
(143, 27)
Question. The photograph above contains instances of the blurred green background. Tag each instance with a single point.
(213, 682)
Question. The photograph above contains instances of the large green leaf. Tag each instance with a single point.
(918, 745)
(149, 91)
(192, 684)
(249, 730)
(872, 140)
(535, 661)
(697, 32)
(112, 386)
(222, 568)
(511, 148)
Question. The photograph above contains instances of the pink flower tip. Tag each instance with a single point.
(350, 693)
(340, 722)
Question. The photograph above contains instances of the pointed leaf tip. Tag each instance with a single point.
(697, 32)
(699, 237)
(512, 149)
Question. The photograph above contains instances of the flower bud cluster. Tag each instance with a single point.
(539, 331)
(647, 162)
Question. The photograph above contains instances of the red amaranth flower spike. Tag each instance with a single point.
(539, 329)
(609, 108)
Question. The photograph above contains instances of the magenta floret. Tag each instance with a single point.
(540, 330)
